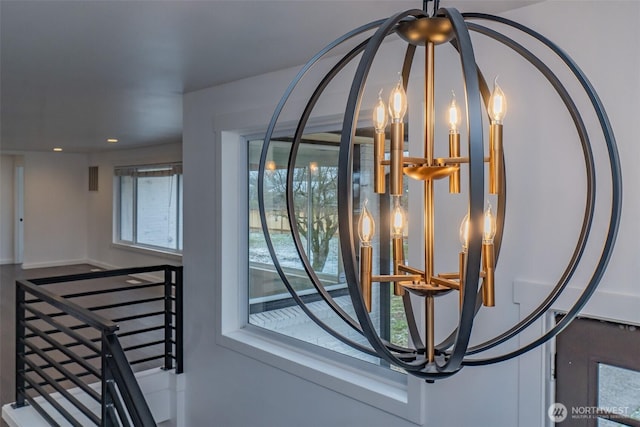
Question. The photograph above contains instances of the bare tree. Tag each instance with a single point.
(315, 202)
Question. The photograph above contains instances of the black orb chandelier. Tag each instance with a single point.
(481, 231)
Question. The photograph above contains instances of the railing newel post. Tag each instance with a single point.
(168, 303)
(20, 330)
(106, 398)
(179, 320)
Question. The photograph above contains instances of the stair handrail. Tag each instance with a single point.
(117, 369)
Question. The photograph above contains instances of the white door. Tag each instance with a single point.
(18, 242)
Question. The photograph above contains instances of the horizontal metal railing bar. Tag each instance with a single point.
(69, 307)
(67, 361)
(80, 361)
(93, 356)
(54, 314)
(88, 357)
(53, 331)
(110, 290)
(41, 411)
(115, 320)
(67, 375)
(57, 346)
(140, 331)
(59, 379)
(117, 403)
(146, 359)
(68, 396)
(53, 403)
(69, 345)
(62, 328)
(129, 389)
(124, 304)
(138, 316)
(143, 345)
(102, 274)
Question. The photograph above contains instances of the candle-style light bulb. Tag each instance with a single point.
(464, 233)
(489, 231)
(366, 226)
(398, 102)
(497, 104)
(397, 219)
(380, 115)
(454, 114)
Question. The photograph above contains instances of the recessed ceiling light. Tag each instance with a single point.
(57, 149)
(112, 140)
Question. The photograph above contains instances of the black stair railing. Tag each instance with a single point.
(65, 341)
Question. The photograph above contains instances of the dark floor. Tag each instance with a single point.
(11, 273)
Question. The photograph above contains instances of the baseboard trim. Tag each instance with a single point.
(61, 263)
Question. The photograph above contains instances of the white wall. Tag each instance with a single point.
(233, 390)
(100, 250)
(55, 208)
(6, 209)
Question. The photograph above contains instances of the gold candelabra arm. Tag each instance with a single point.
(454, 151)
(448, 283)
(495, 158)
(378, 162)
(488, 264)
(396, 156)
(398, 260)
(366, 255)
(401, 278)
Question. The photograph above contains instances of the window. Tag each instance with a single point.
(248, 324)
(149, 206)
(315, 211)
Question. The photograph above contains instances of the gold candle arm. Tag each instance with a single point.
(396, 153)
(398, 259)
(488, 263)
(454, 152)
(404, 278)
(454, 142)
(378, 158)
(366, 255)
(497, 110)
(495, 158)
(448, 283)
(379, 124)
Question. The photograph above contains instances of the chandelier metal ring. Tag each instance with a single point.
(449, 361)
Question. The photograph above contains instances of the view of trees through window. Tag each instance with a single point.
(314, 191)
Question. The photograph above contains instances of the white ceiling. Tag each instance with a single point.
(74, 73)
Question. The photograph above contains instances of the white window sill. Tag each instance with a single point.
(172, 256)
(396, 393)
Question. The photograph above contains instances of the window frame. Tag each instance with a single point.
(397, 394)
(134, 243)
